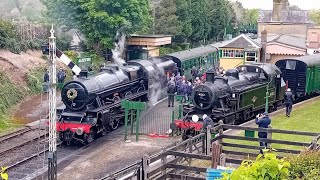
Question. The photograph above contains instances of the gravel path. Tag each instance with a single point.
(109, 154)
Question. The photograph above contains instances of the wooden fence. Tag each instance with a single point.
(219, 148)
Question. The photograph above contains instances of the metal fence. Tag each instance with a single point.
(158, 123)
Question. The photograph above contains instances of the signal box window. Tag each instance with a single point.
(251, 56)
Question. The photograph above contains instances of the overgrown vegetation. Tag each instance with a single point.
(10, 95)
(266, 166)
(306, 166)
(34, 80)
(10, 40)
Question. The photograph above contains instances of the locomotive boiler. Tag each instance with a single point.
(237, 96)
(93, 105)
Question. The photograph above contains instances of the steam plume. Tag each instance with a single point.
(118, 50)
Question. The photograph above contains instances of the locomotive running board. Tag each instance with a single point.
(118, 103)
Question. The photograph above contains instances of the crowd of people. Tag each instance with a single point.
(179, 85)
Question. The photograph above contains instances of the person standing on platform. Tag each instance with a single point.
(189, 91)
(263, 121)
(288, 97)
(171, 91)
(206, 122)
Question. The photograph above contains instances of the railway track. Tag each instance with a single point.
(24, 152)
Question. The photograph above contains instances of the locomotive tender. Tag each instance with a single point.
(237, 96)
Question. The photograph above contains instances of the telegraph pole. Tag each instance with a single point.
(52, 156)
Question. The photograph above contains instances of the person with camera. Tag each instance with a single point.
(263, 121)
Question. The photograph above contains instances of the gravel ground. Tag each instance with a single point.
(109, 154)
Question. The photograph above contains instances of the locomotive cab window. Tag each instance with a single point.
(291, 65)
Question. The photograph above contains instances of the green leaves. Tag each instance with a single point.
(265, 167)
(99, 20)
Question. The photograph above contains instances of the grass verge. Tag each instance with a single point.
(303, 118)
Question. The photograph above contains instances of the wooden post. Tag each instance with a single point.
(223, 159)
(190, 150)
(216, 152)
(208, 142)
(204, 144)
(145, 167)
(163, 161)
(220, 130)
(269, 136)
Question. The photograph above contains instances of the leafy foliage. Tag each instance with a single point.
(9, 94)
(10, 40)
(34, 80)
(99, 20)
(251, 18)
(166, 20)
(266, 166)
(315, 16)
(306, 166)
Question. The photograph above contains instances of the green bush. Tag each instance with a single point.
(34, 81)
(265, 167)
(306, 166)
(10, 95)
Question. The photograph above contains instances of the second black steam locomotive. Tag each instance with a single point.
(237, 96)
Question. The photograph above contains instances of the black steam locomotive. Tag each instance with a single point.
(93, 105)
(237, 96)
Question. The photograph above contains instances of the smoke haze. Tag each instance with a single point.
(118, 49)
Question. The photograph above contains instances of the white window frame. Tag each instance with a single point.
(255, 57)
(226, 54)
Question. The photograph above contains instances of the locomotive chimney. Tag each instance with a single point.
(210, 74)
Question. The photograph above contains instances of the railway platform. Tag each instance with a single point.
(156, 120)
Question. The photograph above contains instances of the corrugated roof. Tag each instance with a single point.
(192, 53)
(298, 16)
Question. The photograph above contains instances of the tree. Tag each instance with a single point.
(314, 16)
(100, 20)
(251, 17)
(184, 16)
(219, 18)
(199, 20)
(166, 20)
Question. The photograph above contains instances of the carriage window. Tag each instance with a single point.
(291, 65)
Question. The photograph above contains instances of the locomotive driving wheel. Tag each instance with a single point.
(114, 123)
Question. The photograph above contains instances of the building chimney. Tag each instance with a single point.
(264, 40)
(277, 10)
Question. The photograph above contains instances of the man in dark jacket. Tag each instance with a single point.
(189, 133)
(171, 91)
(288, 97)
(206, 122)
(46, 77)
(263, 121)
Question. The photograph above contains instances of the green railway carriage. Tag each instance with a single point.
(205, 57)
(302, 74)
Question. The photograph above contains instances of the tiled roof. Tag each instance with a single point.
(285, 39)
(242, 41)
(301, 16)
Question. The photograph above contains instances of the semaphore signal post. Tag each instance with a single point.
(52, 155)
